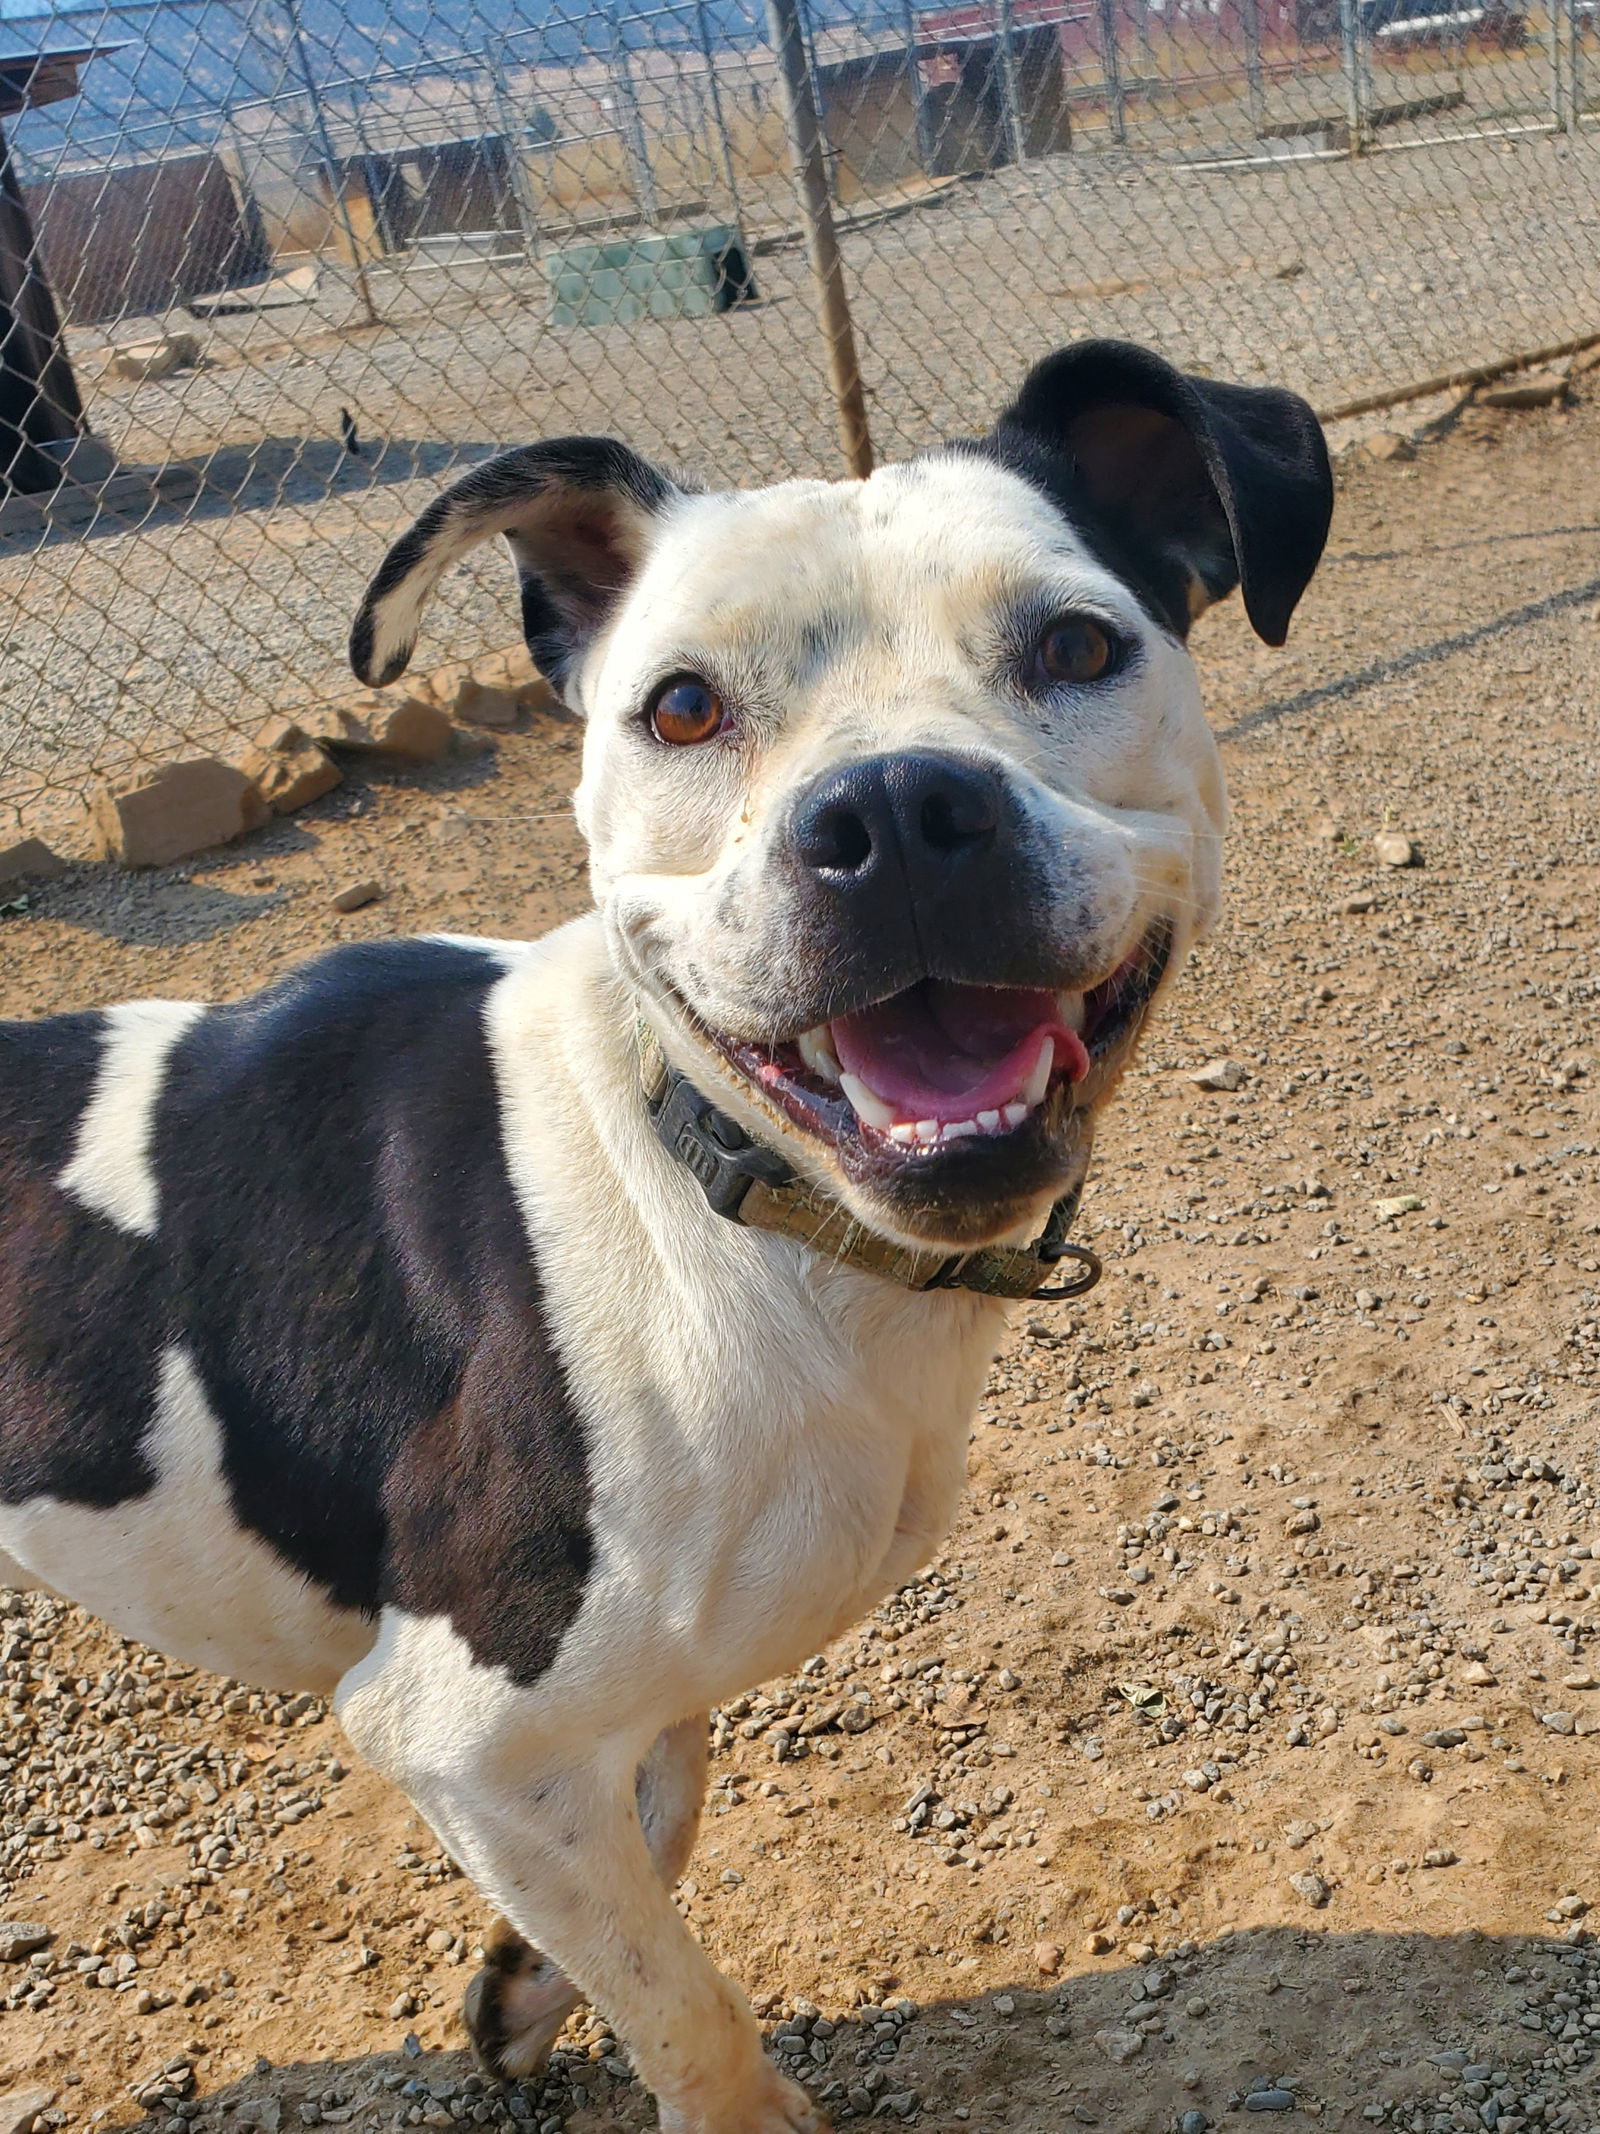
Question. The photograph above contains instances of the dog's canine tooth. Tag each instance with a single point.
(816, 1049)
(1039, 1081)
(865, 1103)
(1073, 1011)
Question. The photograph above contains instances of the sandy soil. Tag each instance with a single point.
(1243, 1743)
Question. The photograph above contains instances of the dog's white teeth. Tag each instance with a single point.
(989, 1121)
(1014, 1114)
(906, 1136)
(958, 1129)
(928, 1132)
(1073, 1011)
(865, 1103)
(816, 1049)
(1039, 1081)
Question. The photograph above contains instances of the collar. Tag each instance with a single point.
(753, 1185)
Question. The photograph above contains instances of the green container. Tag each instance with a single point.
(687, 274)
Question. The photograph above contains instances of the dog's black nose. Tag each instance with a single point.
(923, 815)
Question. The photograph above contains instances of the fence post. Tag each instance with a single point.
(708, 53)
(822, 239)
(1111, 68)
(1250, 27)
(1558, 73)
(1575, 71)
(515, 135)
(1355, 83)
(1010, 98)
(320, 127)
(631, 126)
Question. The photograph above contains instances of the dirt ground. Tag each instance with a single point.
(1241, 1751)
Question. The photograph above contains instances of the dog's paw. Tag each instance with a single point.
(515, 2007)
(772, 2104)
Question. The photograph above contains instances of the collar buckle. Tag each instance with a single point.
(715, 1150)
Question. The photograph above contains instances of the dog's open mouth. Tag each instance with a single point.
(942, 1063)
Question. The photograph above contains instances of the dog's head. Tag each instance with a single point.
(900, 803)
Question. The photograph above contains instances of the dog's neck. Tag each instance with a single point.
(753, 1185)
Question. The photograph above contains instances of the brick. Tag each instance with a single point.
(160, 816)
(288, 768)
(29, 856)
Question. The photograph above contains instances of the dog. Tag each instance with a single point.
(531, 1344)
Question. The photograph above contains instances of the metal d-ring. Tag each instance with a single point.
(1089, 1264)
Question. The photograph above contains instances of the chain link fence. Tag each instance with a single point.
(271, 270)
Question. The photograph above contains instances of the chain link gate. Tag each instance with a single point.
(271, 270)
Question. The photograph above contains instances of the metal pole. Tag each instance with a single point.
(1250, 24)
(1111, 68)
(319, 125)
(1010, 99)
(1558, 100)
(708, 53)
(1575, 48)
(644, 178)
(1354, 81)
(822, 239)
(514, 134)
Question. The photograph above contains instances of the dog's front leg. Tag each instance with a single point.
(556, 1839)
(515, 2007)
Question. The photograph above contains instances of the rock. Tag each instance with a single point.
(1533, 389)
(1270, 2101)
(1558, 1722)
(1047, 1957)
(1194, 2123)
(1220, 1074)
(1388, 445)
(411, 727)
(146, 362)
(1587, 359)
(1099, 1944)
(159, 816)
(20, 2108)
(22, 1937)
(1357, 906)
(1402, 1204)
(1311, 1886)
(1395, 849)
(1477, 1676)
(1119, 2046)
(356, 896)
(1439, 1856)
(480, 704)
(265, 2113)
(30, 855)
(288, 768)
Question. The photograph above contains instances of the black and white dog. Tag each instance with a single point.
(532, 1343)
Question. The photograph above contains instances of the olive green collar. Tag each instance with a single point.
(753, 1185)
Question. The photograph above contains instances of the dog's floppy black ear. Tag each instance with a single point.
(578, 514)
(1202, 486)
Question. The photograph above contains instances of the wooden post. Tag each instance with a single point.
(822, 239)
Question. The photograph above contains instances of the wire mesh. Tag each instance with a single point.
(271, 269)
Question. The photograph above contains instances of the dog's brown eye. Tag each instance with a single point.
(1076, 650)
(687, 711)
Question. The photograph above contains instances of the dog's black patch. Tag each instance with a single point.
(350, 1271)
(341, 1254)
(77, 1295)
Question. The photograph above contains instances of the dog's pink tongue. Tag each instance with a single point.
(950, 1051)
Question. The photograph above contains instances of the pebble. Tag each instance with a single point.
(1047, 1956)
(1225, 1075)
(1270, 2101)
(357, 895)
(1395, 849)
(22, 1937)
(1558, 1722)
(1194, 2123)
(20, 2108)
(1120, 2046)
(1311, 1886)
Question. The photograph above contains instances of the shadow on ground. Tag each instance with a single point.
(1413, 2030)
